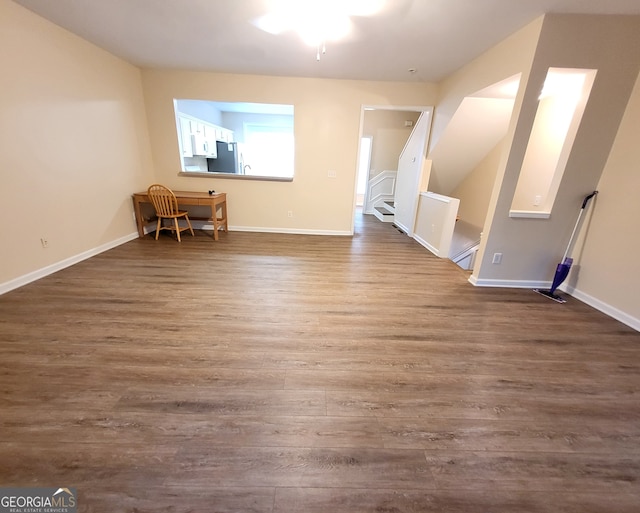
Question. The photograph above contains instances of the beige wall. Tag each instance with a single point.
(606, 266)
(474, 192)
(74, 144)
(532, 248)
(508, 58)
(389, 137)
(327, 125)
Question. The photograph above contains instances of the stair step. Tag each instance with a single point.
(384, 214)
(384, 211)
(390, 205)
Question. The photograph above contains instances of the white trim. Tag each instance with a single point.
(444, 216)
(294, 231)
(387, 217)
(601, 306)
(402, 227)
(435, 196)
(410, 108)
(388, 176)
(365, 107)
(425, 244)
(510, 284)
(532, 214)
(413, 177)
(62, 264)
(611, 311)
(360, 171)
(204, 225)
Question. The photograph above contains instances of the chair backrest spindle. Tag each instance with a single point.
(163, 199)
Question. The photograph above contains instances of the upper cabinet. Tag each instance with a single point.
(198, 138)
(186, 147)
(204, 140)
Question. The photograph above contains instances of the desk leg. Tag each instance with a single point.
(139, 223)
(224, 217)
(214, 218)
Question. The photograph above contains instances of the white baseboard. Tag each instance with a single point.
(67, 262)
(403, 228)
(204, 225)
(601, 306)
(425, 244)
(611, 311)
(207, 226)
(509, 284)
(293, 231)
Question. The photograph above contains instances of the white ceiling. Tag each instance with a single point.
(436, 37)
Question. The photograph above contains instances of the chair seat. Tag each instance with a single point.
(181, 213)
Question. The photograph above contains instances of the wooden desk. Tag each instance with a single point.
(217, 201)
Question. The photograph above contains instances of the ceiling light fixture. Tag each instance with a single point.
(316, 21)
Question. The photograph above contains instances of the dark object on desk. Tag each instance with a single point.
(212, 192)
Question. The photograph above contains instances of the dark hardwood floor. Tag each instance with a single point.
(313, 374)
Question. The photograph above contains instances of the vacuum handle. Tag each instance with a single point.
(586, 200)
(575, 228)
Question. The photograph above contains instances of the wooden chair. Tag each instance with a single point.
(166, 206)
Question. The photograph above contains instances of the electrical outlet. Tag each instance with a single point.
(537, 200)
(332, 173)
(497, 258)
(289, 213)
(44, 242)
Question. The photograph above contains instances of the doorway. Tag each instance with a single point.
(384, 133)
(364, 164)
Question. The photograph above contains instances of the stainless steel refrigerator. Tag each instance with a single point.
(227, 160)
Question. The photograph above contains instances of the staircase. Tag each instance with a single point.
(467, 258)
(385, 212)
(465, 244)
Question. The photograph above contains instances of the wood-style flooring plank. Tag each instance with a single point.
(291, 373)
(131, 375)
(534, 471)
(306, 467)
(606, 436)
(322, 500)
(463, 384)
(209, 429)
(189, 400)
(166, 499)
(479, 405)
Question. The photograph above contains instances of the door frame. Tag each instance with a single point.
(368, 107)
(368, 168)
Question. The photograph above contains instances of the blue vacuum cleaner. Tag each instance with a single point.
(562, 271)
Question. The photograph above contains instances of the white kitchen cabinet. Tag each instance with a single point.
(186, 143)
(225, 135)
(198, 138)
(203, 146)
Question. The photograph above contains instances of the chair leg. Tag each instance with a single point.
(190, 227)
(158, 225)
(175, 220)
